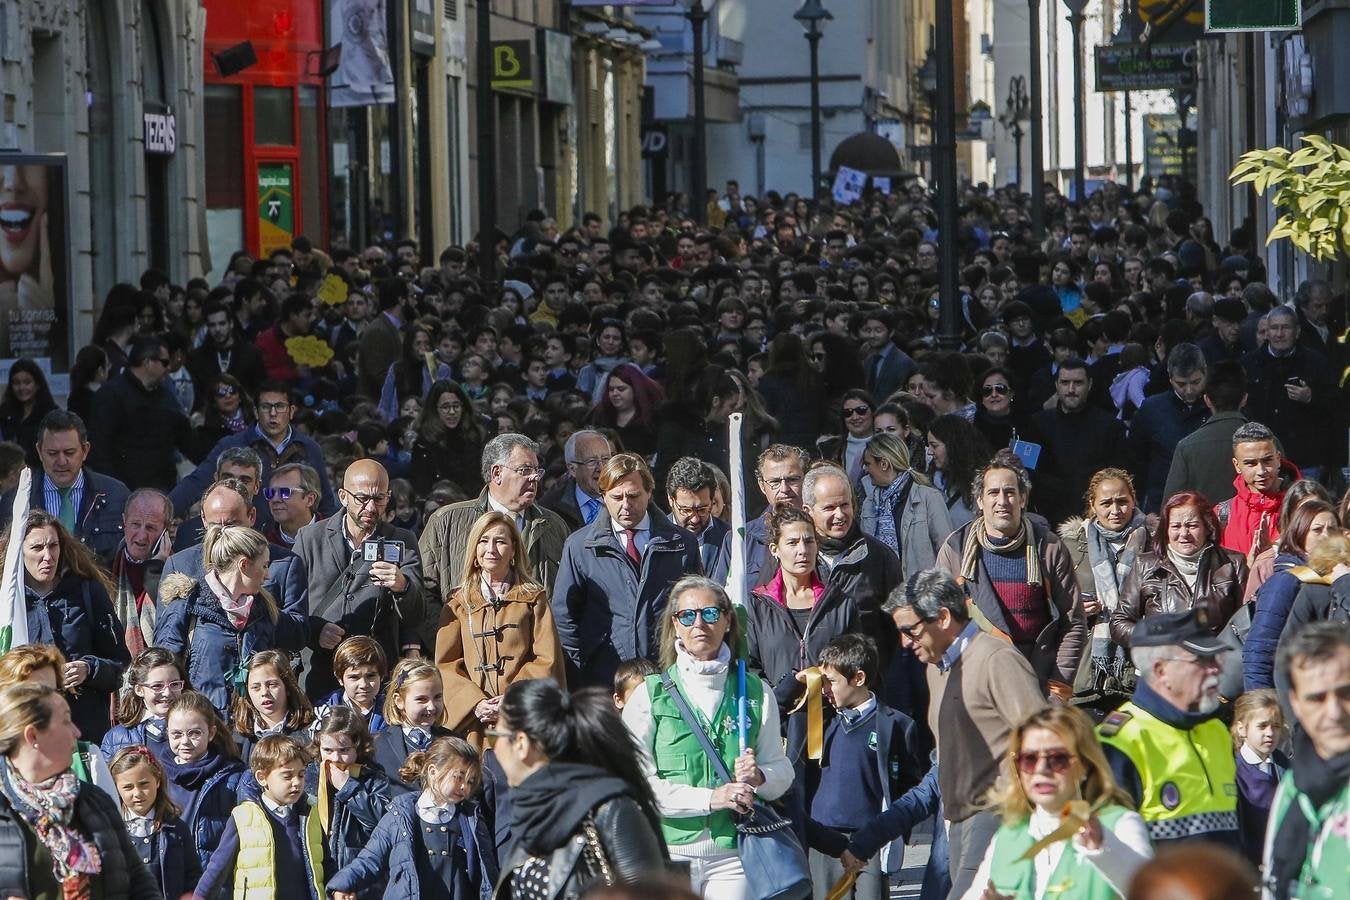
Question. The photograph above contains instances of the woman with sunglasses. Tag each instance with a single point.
(1054, 759)
(698, 640)
(997, 417)
(847, 449)
(228, 410)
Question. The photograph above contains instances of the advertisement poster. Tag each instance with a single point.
(34, 262)
(364, 76)
(276, 206)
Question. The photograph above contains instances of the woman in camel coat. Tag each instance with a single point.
(496, 628)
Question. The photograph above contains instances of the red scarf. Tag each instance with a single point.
(1244, 515)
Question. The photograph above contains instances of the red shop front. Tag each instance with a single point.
(265, 124)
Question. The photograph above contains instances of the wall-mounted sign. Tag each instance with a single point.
(276, 206)
(555, 49)
(655, 141)
(1135, 67)
(422, 24)
(1253, 15)
(161, 133)
(35, 298)
(512, 66)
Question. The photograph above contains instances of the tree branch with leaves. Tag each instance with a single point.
(1311, 191)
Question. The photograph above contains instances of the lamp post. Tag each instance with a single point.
(487, 147)
(927, 77)
(1128, 34)
(1076, 19)
(1017, 108)
(944, 175)
(698, 201)
(813, 15)
(1037, 119)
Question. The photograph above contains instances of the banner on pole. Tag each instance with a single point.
(848, 185)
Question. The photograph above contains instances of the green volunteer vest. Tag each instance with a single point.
(1074, 878)
(1189, 777)
(1328, 861)
(679, 757)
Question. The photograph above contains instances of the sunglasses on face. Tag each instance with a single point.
(851, 411)
(281, 493)
(226, 390)
(990, 390)
(709, 614)
(1057, 761)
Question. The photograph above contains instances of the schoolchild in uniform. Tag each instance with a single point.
(157, 832)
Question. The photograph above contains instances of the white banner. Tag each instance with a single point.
(848, 185)
(364, 77)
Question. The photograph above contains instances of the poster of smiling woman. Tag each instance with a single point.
(34, 275)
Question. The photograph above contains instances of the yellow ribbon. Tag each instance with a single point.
(843, 887)
(813, 699)
(1074, 817)
(325, 789)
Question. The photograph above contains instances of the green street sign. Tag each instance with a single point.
(1253, 15)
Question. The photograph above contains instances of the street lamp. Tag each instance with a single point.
(813, 15)
(1128, 34)
(1037, 118)
(487, 147)
(944, 175)
(1076, 19)
(698, 201)
(1017, 108)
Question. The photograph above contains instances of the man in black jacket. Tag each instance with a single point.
(137, 423)
(223, 352)
(1080, 438)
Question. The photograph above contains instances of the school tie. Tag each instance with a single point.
(417, 738)
(633, 554)
(67, 511)
(154, 729)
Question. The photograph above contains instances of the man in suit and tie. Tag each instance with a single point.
(887, 367)
(382, 339)
(576, 497)
(690, 485)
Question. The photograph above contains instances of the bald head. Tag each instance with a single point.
(365, 476)
(223, 505)
(365, 496)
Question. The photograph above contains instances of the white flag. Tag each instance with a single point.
(14, 605)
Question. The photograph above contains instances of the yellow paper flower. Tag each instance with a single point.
(333, 290)
(309, 350)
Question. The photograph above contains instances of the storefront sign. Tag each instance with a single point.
(655, 141)
(512, 66)
(161, 133)
(555, 49)
(1253, 15)
(276, 206)
(1135, 67)
(422, 23)
(1162, 152)
(35, 303)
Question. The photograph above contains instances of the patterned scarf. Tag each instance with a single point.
(49, 809)
(137, 610)
(1108, 569)
(978, 537)
(886, 499)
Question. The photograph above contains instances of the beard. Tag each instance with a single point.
(1209, 700)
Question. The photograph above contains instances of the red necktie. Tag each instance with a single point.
(632, 547)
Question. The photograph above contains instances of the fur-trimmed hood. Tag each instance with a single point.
(175, 587)
(1071, 529)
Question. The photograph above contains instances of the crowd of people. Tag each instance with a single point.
(396, 579)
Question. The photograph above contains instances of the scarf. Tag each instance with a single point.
(548, 807)
(1108, 569)
(236, 610)
(716, 666)
(1319, 780)
(49, 809)
(978, 538)
(834, 546)
(885, 505)
(1188, 567)
(1244, 515)
(136, 609)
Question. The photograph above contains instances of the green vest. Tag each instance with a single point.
(679, 758)
(1189, 778)
(1074, 878)
(1328, 861)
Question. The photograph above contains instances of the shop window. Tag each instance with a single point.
(223, 122)
(273, 116)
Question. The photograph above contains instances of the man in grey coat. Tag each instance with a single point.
(351, 592)
(615, 575)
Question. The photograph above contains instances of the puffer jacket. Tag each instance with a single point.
(1073, 533)
(390, 853)
(354, 813)
(192, 625)
(1155, 586)
(626, 840)
(206, 791)
(1274, 600)
(123, 875)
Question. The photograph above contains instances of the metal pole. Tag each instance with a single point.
(944, 174)
(1076, 18)
(1129, 143)
(699, 201)
(1017, 141)
(487, 148)
(813, 38)
(1037, 126)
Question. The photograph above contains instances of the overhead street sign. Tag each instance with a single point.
(1138, 67)
(1253, 15)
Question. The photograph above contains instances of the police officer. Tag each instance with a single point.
(1166, 745)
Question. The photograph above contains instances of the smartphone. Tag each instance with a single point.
(382, 551)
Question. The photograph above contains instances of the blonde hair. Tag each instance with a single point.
(423, 765)
(19, 664)
(520, 564)
(225, 544)
(408, 671)
(896, 453)
(22, 705)
(1330, 552)
(1075, 729)
(1251, 703)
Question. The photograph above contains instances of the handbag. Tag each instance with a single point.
(772, 857)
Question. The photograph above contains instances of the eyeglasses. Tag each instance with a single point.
(595, 462)
(273, 407)
(1056, 761)
(911, 631)
(364, 500)
(1203, 662)
(281, 493)
(526, 471)
(450, 407)
(164, 687)
(709, 614)
(789, 481)
(851, 411)
(990, 390)
(226, 390)
(495, 733)
(684, 511)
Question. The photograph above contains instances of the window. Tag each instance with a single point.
(273, 116)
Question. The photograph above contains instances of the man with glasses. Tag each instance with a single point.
(136, 425)
(576, 497)
(980, 688)
(275, 442)
(779, 474)
(511, 473)
(292, 495)
(352, 593)
(1167, 746)
(615, 575)
(224, 352)
(690, 485)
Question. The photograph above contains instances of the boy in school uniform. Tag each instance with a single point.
(869, 760)
(272, 844)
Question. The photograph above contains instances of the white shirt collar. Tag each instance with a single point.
(428, 810)
(1250, 757)
(275, 808)
(139, 826)
(643, 526)
(517, 517)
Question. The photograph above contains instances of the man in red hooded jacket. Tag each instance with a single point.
(1250, 520)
